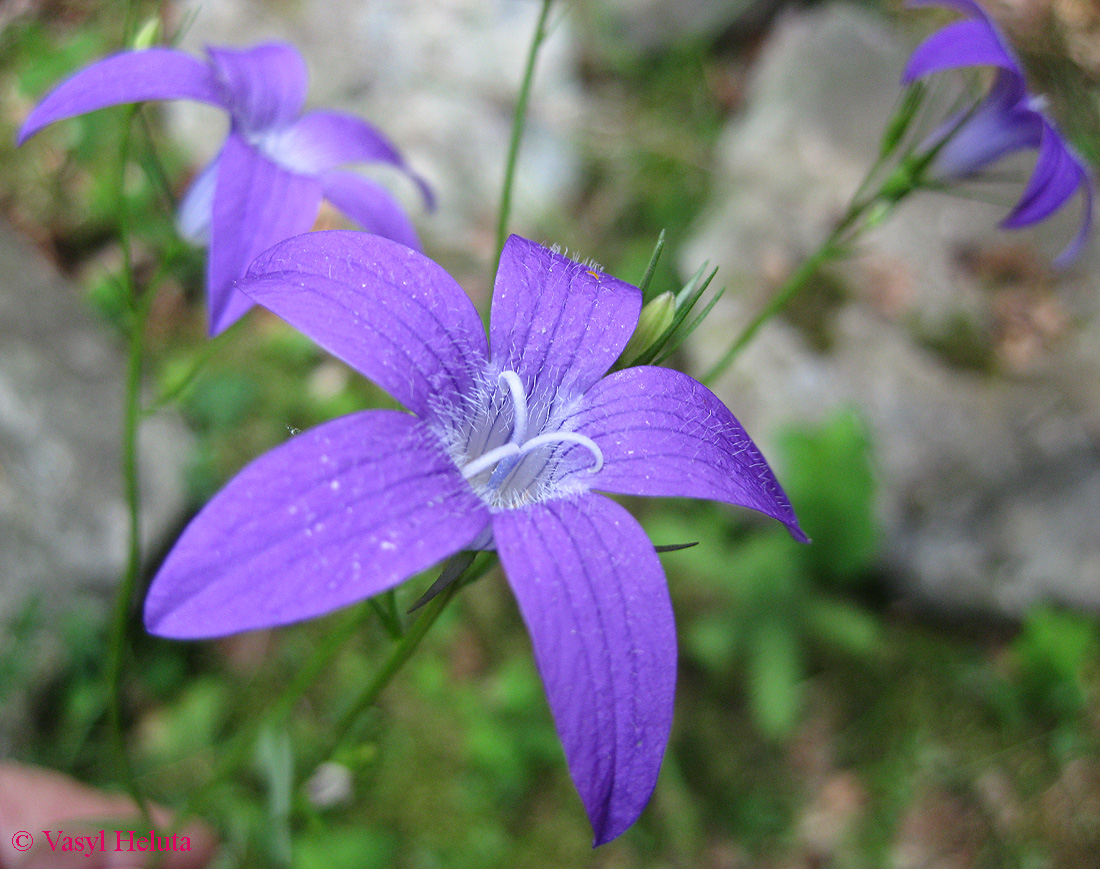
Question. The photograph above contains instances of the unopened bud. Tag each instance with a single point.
(899, 125)
(653, 322)
(147, 36)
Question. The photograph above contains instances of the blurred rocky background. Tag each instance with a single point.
(918, 688)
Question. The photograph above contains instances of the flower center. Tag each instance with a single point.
(512, 450)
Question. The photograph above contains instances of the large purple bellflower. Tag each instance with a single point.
(1006, 120)
(506, 445)
(275, 166)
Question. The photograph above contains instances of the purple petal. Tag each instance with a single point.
(257, 204)
(130, 77)
(558, 322)
(324, 140)
(334, 515)
(664, 434)
(265, 85)
(196, 209)
(370, 205)
(593, 595)
(1055, 178)
(965, 43)
(1057, 175)
(386, 310)
(998, 126)
(1074, 248)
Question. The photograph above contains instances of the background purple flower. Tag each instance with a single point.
(506, 445)
(275, 166)
(1006, 120)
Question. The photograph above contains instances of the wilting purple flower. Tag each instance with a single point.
(275, 166)
(505, 446)
(1006, 120)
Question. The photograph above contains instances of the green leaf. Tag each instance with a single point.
(775, 678)
(827, 474)
(1057, 653)
(844, 626)
(643, 284)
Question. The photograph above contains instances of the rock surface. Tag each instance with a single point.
(973, 363)
(656, 24)
(62, 515)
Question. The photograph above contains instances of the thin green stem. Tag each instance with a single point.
(154, 168)
(211, 348)
(117, 642)
(237, 751)
(864, 211)
(518, 122)
(399, 654)
(860, 215)
(386, 610)
(776, 304)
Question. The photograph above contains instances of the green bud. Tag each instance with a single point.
(147, 36)
(899, 124)
(657, 315)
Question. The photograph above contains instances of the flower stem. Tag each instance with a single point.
(828, 250)
(385, 607)
(235, 754)
(399, 654)
(518, 121)
(863, 213)
(117, 642)
(212, 348)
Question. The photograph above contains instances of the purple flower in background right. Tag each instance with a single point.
(1006, 120)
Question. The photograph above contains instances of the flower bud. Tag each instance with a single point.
(653, 322)
(147, 36)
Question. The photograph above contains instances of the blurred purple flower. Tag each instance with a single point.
(506, 443)
(275, 166)
(1006, 120)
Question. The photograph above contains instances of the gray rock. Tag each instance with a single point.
(655, 24)
(989, 467)
(62, 515)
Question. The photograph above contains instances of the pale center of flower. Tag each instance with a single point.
(511, 449)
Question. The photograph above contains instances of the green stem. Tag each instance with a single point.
(237, 751)
(399, 654)
(776, 304)
(239, 747)
(518, 121)
(117, 642)
(210, 349)
(860, 214)
(386, 610)
(864, 211)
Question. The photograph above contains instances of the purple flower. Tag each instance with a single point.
(1006, 120)
(275, 166)
(507, 442)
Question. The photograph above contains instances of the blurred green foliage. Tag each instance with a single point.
(1057, 654)
(813, 725)
(771, 596)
